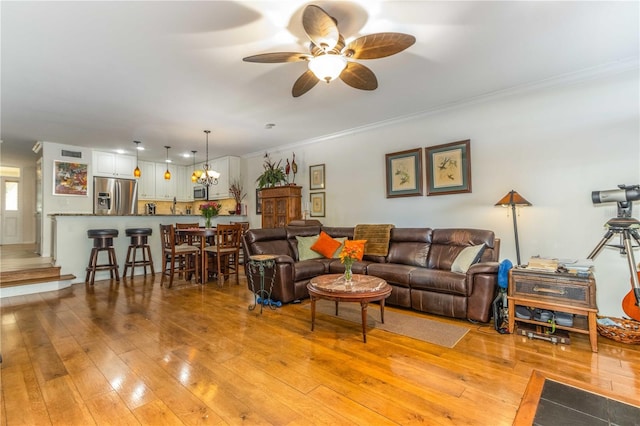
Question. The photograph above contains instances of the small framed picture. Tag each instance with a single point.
(69, 178)
(317, 204)
(404, 173)
(316, 177)
(449, 168)
(258, 201)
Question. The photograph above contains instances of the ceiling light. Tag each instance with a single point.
(207, 176)
(167, 174)
(327, 67)
(136, 172)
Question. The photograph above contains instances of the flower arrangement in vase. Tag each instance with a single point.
(348, 255)
(236, 190)
(209, 210)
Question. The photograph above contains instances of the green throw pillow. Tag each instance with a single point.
(466, 258)
(304, 248)
(336, 254)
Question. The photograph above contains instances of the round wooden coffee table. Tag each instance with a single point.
(363, 289)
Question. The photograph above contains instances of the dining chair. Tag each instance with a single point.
(184, 239)
(245, 228)
(226, 251)
(177, 258)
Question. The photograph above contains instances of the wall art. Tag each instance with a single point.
(449, 168)
(404, 173)
(69, 178)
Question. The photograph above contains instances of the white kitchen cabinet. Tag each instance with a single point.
(166, 189)
(113, 165)
(229, 169)
(147, 180)
(184, 184)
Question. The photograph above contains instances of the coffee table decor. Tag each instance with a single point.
(361, 288)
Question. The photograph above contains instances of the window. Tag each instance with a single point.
(11, 196)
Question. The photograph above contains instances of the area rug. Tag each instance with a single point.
(548, 401)
(416, 327)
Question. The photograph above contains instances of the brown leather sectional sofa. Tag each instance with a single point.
(417, 266)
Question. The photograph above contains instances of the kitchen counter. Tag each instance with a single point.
(71, 247)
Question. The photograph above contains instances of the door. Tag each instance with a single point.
(11, 205)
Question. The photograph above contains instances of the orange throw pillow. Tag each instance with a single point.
(356, 243)
(326, 245)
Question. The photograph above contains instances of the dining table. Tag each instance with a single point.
(199, 237)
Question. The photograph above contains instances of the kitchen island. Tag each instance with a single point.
(71, 247)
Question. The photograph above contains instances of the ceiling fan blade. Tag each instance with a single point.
(304, 83)
(359, 77)
(276, 57)
(320, 27)
(378, 45)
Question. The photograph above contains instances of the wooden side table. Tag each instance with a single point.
(555, 292)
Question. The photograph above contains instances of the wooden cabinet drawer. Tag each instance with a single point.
(566, 289)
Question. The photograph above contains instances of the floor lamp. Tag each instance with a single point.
(514, 199)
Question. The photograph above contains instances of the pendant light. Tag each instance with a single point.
(194, 176)
(207, 176)
(167, 174)
(136, 171)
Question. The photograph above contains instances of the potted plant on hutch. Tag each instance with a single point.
(273, 174)
(274, 192)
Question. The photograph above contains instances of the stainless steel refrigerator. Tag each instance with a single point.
(112, 196)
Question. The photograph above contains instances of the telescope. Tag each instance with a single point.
(624, 194)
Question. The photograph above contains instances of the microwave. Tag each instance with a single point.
(199, 192)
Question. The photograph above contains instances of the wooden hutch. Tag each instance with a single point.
(281, 205)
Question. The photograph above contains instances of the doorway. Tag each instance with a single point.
(11, 210)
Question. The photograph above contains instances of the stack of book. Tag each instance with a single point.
(580, 267)
(543, 264)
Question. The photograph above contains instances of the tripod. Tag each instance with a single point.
(627, 227)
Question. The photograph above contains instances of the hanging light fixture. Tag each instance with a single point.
(136, 171)
(207, 176)
(167, 174)
(194, 176)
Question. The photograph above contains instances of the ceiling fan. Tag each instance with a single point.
(330, 58)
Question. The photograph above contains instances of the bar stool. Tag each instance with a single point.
(139, 240)
(102, 241)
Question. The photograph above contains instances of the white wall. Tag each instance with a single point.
(61, 203)
(554, 145)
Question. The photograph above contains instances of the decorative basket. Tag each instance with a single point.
(628, 333)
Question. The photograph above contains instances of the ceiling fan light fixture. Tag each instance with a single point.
(327, 67)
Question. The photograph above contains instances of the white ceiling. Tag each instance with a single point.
(103, 74)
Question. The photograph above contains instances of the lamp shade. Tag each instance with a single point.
(513, 199)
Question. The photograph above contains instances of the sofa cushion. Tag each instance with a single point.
(467, 257)
(377, 237)
(409, 246)
(305, 244)
(446, 245)
(392, 273)
(325, 245)
(439, 281)
(307, 269)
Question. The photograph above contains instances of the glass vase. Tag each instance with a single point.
(348, 275)
(207, 222)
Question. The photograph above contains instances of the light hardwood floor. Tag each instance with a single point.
(137, 353)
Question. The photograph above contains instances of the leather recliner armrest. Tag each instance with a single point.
(483, 268)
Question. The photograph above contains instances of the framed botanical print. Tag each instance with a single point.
(404, 173)
(316, 177)
(317, 204)
(449, 168)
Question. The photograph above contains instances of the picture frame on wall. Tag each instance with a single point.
(317, 201)
(404, 173)
(316, 177)
(69, 178)
(258, 201)
(449, 168)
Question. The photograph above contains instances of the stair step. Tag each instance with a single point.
(21, 276)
